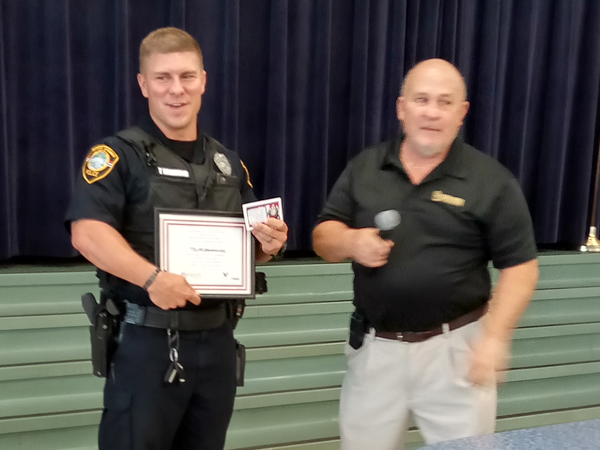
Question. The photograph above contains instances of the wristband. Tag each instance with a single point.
(151, 279)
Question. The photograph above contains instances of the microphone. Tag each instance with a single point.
(386, 222)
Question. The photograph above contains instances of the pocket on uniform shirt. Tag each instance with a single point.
(164, 192)
(224, 196)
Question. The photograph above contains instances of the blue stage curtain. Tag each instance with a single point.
(298, 87)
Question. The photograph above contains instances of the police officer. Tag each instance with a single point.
(171, 383)
(421, 340)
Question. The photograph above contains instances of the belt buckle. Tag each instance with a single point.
(399, 336)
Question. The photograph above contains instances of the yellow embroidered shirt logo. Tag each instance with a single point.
(99, 162)
(439, 196)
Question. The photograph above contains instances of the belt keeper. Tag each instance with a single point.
(174, 320)
(150, 280)
(445, 328)
(134, 314)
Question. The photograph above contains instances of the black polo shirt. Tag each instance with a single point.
(467, 211)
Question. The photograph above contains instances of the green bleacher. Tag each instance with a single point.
(295, 337)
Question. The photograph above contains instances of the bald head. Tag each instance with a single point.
(432, 106)
(439, 69)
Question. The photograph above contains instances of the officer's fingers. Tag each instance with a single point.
(266, 239)
(277, 224)
(261, 227)
(280, 228)
(162, 304)
(267, 234)
(180, 303)
(194, 298)
(277, 234)
(190, 294)
(260, 235)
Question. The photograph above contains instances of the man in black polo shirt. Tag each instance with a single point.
(434, 343)
(171, 383)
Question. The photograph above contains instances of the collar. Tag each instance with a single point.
(194, 154)
(453, 165)
(147, 124)
(391, 156)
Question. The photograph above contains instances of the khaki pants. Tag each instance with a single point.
(387, 379)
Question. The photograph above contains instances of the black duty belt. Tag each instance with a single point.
(183, 320)
(420, 336)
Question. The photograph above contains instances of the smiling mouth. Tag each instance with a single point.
(176, 105)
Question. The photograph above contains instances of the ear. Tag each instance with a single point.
(142, 82)
(464, 109)
(400, 105)
(203, 82)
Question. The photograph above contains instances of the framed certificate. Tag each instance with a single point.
(214, 251)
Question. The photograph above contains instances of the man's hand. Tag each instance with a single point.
(510, 299)
(489, 360)
(271, 235)
(170, 291)
(368, 248)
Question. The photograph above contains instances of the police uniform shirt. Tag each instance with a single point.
(467, 211)
(123, 179)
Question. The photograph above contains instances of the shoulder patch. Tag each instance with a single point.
(247, 174)
(99, 162)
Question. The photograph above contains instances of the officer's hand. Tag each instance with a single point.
(170, 291)
(271, 235)
(489, 360)
(369, 249)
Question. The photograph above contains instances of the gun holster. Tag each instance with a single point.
(105, 319)
(260, 283)
(358, 327)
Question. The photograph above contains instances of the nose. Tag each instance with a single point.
(432, 111)
(176, 87)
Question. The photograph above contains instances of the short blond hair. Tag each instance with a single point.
(169, 40)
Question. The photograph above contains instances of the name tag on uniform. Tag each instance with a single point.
(179, 173)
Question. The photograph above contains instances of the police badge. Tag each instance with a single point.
(222, 163)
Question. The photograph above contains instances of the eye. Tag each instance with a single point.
(420, 100)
